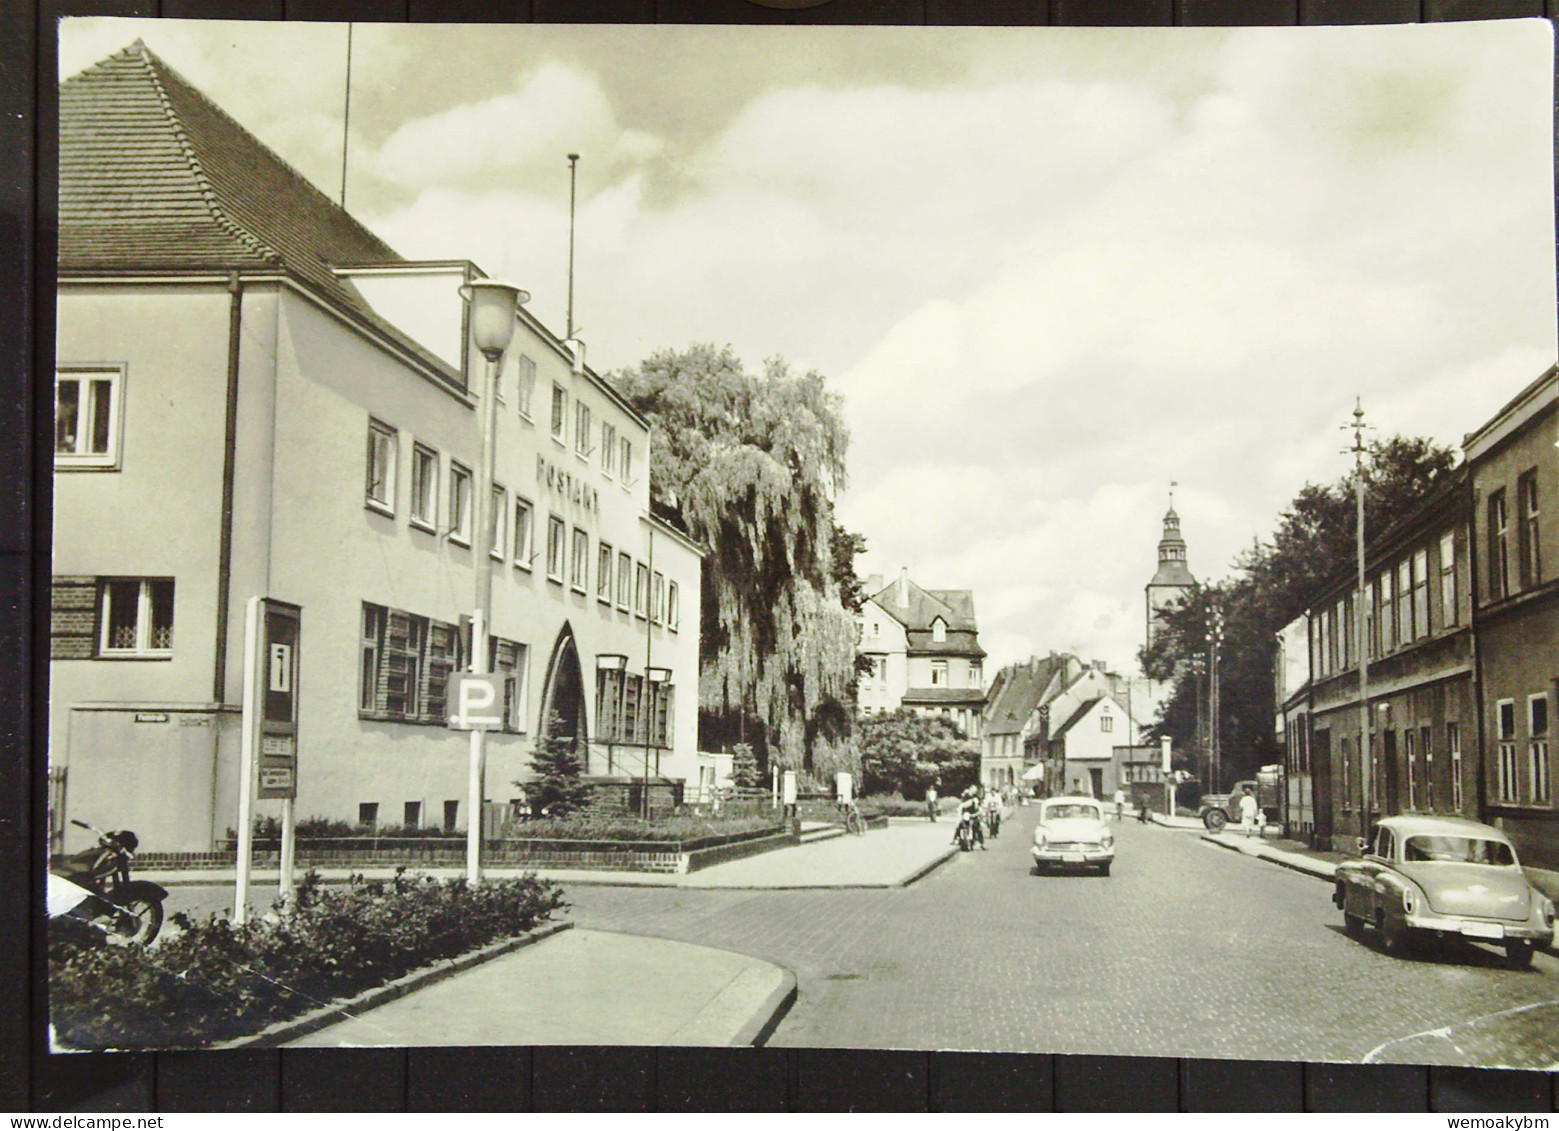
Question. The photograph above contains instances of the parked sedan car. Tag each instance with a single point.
(1441, 877)
(1072, 832)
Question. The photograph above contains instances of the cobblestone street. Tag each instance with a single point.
(1186, 949)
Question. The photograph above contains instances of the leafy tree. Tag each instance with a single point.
(904, 752)
(559, 787)
(748, 464)
(1273, 583)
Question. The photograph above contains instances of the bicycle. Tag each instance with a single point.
(854, 823)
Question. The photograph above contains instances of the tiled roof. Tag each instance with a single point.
(955, 606)
(921, 642)
(1022, 688)
(154, 176)
(971, 695)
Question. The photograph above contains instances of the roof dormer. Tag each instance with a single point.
(939, 631)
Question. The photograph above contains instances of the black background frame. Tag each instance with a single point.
(543, 1078)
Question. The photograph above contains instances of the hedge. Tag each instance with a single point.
(212, 981)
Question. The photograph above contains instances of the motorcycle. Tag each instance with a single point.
(95, 886)
(965, 833)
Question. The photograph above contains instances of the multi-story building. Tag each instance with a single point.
(924, 650)
(1173, 579)
(1513, 460)
(256, 396)
(1419, 653)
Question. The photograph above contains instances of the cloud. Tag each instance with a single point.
(527, 133)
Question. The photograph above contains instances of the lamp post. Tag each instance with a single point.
(611, 662)
(492, 307)
(653, 678)
(1215, 703)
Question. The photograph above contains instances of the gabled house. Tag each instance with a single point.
(923, 646)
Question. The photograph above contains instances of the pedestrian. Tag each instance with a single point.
(1120, 803)
(931, 803)
(993, 812)
(1250, 812)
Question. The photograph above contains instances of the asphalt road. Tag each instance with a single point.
(1185, 949)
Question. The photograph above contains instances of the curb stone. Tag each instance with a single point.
(281, 1032)
(767, 1017)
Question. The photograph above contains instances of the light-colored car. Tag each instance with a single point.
(1440, 877)
(1072, 832)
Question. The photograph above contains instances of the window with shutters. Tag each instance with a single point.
(86, 417)
(406, 662)
(73, 618)
(608, 705)
(135, 617)
(632, 702)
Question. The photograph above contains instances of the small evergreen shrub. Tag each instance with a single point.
(559, 787)
(213, 981)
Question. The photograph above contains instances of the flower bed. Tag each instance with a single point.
(213, 981)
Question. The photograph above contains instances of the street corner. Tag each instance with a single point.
(1526, 1037)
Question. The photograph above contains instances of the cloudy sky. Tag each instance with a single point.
(1050, 270)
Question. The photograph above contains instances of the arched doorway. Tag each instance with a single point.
(563, 695)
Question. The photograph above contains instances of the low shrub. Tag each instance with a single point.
(213, 981)
(682, 827)
(894, 805)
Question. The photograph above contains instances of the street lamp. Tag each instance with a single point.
(492, 308)
(1215, 699)
(1366, 749)
(610, 662)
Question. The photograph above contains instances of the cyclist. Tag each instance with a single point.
(992, 805)
(969, 811)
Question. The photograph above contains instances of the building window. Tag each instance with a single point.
(555, 537)
(641, 590)
(628, 728)
(976, 675)
(559, 413)
(603, 574)
(136, 616)
(625, 462)
(1453, 745)
(1345, 632)
(939, 631)
(1345, 758)
(624, 581)
(608, 448)
(1530, 548)
(495, 529)
(1538, 766)
(1404, 601)
(1505, 778)
(660, 699)
(459, 504)
(86, 417)
(1499, 547)
(412, 815)
(608, 704)
(424, 487)
(368, 814)
(526, 385)
(1372, 618)
(1388, 614)
(579, 565)
(938, 673)
(582, 430)
(1448, 610)
(523, 535)
(406, 664)
(658, 598)
(1420, 594)
(381, 467)
(451, 816)
(673, 606)
(1410, 756)
(507, 658)
(1106, 723)
(1425, 736)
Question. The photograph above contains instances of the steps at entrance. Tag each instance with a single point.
(821, 832)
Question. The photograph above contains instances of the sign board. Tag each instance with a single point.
(277, 764)
(1165, 744)
(476, 702)
(844, 785)
(788, 787)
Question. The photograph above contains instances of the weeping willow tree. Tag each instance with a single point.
(748, 464)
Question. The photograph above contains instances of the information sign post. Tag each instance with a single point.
(268, 737)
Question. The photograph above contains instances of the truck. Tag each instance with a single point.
(1218, 809)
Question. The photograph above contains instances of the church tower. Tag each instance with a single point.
(1173, 579)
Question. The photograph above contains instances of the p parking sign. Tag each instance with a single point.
(476, 702)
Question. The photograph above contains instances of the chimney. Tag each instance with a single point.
(903, 587)
(577, 349)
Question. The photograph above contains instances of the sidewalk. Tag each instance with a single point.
(1289, 854)
(570, 989)
(892, 857)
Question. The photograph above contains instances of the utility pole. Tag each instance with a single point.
(573, 166)
(1215, 696)
(1366, 753)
